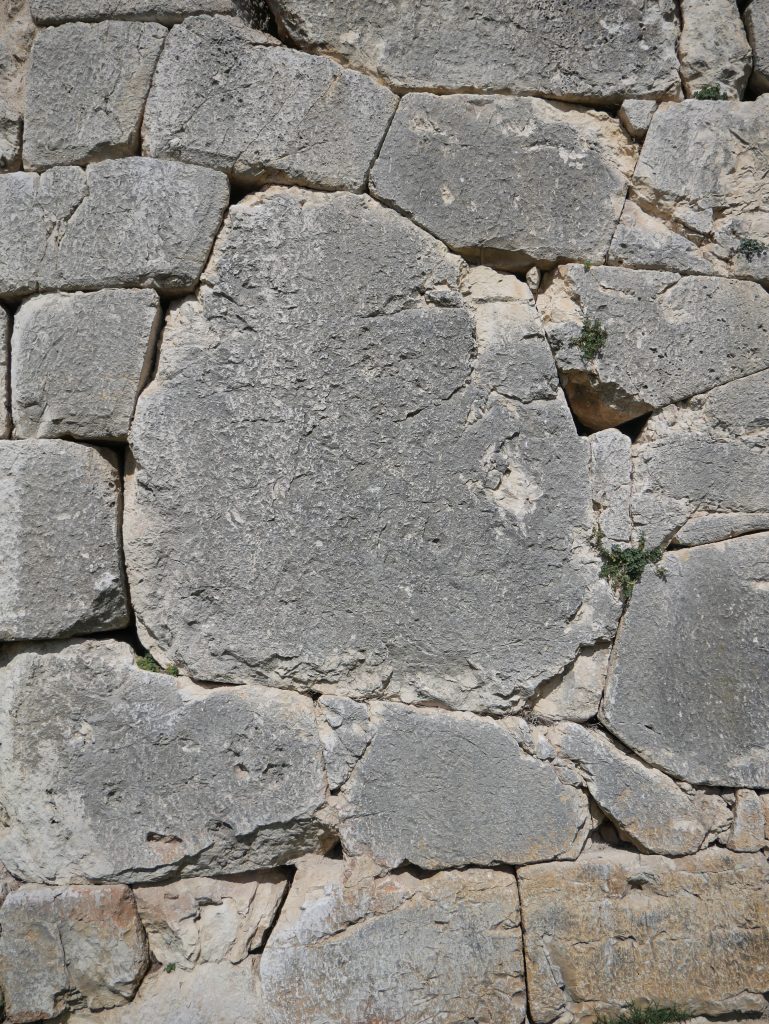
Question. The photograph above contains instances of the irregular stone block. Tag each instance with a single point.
(576, 694)
(5, 397)
(748, 830)
(647, 243)
(511, 181)
(125, 223)
(220, 97)
(323, 387)
(79, 362)
(757, 25)
(212, 781)
(668, 337)
(682, 690)
(61, 568)
(720, 203)
(616, 927)
(474, 795)
(345, 733)
(86, 89)
(16, 39)
(615, 48)
(644, 804)
(713, 48)
(610, 478)
(63, 948)
(636, 116)
(209, 920)
(53, 12)
(447, 947)
(710, 527)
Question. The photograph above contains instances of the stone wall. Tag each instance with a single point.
(384, 510)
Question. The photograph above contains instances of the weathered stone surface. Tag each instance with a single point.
(472, 795)
(209, 920)
(668, 337)
(62, 948)
(385, 515)
(613, 49)
(575, 695)
(610, 478)
(513, 181)
(713, 48)
(211, 994)
(700, 469)
(53, 12)
(757, 24)
(60, 562)
(5, 398)
(10, 138)
(718, 204)
(16, 36)
(345, 733)
(645, 805)
(211, 782)
(124, 223)
(684, 690)
(79, 362)
(636, 116)
(645, 242)
(261, 113)
(748, 830)
(443, 948)
(617, 927)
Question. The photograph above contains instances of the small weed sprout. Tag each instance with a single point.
(710, 92)
(587, 265)
(751, 249)
(592, 338)
(148, 664)
(170, 968)
(623, 567)
(652, 1014)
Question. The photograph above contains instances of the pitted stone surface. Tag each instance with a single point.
(86, 89)
(617, 927)
(713, 48)
(60, 562)
(53, 12)
(668, 337)
(685, 687)
(61, 948)
(126, 223)
(611, 49)
(448, 554)
(5, 397)
(133, 776)
(79, 362)
(474, 795)
(757, 25)
(272, 114)
(512, 180)
(444, 948)
(345, 733)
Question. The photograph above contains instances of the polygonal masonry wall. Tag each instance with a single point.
(384, 511)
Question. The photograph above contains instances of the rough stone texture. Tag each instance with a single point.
(713, 204)
(636, 116)
(60, 563)
(700, 469)
(713, 48)
(62, 948)
(272, 114)
(645, 242)
(576, 694)
(125, 223)
(748, 830)
(474, 795)
(211, 994)
(512, 181)
(383, 511)
(53, 12)
(444, 948)
(669, 337)
(345, 733)
(645, 805)
(610, 477)
(617, 927)
(757, 24)
(684, 690)
(79, 362)
(209, 920)
(5, 397)
(613, 49)
(211, 782)
(16, 35)
(86, 89)
(10, 138)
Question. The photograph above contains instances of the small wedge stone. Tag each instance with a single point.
(747, 834)
(636, 116)
(757, 24)
(576, 694)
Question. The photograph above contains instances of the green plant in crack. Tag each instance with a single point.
(623, 567)
(710, 92)
(170, 968)
(148, 664)
(592, 338)
(751, 249)
(652, 1014)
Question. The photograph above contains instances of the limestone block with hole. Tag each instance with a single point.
(713, 48)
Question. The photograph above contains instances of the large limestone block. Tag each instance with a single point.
(354, 944)
(617, 927)
(718, 205)
(53, 12)
(668, 337)
(123, 223)
(5, 397)
(261, 113)
(643, 803)
(61, 568)
(686, 687)
(63, 948)
(328, 495)
(757, 25)
(512, 181)
(615, 48)
(86, 89)
(713, 48)
(80, 360)
(440, 789)
(134, 776)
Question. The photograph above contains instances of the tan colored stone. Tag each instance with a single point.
(713, 48)
(576, 694)
(748, 830)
